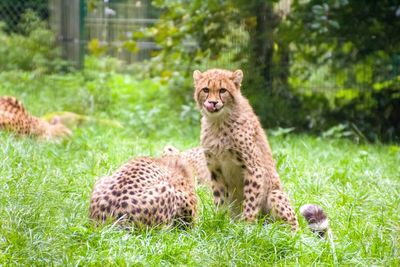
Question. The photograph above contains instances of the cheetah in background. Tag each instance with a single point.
(14, 117)
(238, 155)
(196, 163)
(146, 192)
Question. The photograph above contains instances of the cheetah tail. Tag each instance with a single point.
(316, 219)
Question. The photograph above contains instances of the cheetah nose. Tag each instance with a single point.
(210, 106)
(214, 103)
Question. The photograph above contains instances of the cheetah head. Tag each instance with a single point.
(215, 90)
(170, 150)
(56, 130)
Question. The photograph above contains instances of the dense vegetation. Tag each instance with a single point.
(313, 66)
(12, 11)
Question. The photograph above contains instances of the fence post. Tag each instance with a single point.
(68, 23)
(82, 15)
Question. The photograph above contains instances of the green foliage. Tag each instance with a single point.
(370, 114)
(108, 95)
(309, 71)
(223, 34)
(190, 34)
(341, 50)
(12, 11)
(305, 69)
(33, 49)
(191, 31)
(337, 132)
(376, 112)
(350, 30)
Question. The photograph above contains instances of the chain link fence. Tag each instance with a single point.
(113, 24)
(76, 23)
(11, 12)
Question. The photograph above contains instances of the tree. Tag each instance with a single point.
(350, 31)
(192, 33)
(358, 41)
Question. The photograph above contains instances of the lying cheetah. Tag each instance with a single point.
(73, 120)
(146, 192)
(196, 163)
(14, 117)
(243, 172)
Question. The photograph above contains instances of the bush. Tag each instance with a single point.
(372, 114)
(33, 49)
(13, 10)
(376, 112)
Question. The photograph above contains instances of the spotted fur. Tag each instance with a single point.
(243, 172)
(15, 118)
(146, 191)
(196, 163)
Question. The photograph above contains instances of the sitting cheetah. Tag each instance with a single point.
(196, 163)
(15, 118)
(146, 192)
(238, 155)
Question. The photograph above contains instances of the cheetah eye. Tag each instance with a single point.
(206, 90)
(222, 90)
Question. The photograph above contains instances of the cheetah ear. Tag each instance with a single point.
(55, 120)
(237, 77)
(197, 75)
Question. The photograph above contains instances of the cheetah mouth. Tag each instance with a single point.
(211, 108)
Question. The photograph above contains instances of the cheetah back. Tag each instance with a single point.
(15, 118)
(140, 192)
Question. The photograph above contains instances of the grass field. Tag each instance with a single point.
(45, 188)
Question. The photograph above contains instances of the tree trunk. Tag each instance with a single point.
(262, 41)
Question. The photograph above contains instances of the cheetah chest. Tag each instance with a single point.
(217, 144)
(231, 173)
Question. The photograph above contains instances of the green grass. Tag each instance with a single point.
(45, 188)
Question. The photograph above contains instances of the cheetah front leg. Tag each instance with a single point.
(218, 187)
(251, 195)
(279, 205)
(252, 187)
(186, 208)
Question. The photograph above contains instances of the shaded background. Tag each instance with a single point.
(324, 67)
